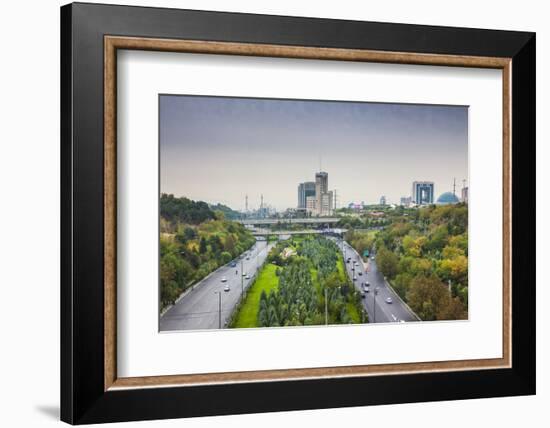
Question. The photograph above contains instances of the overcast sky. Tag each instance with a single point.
(220, 149)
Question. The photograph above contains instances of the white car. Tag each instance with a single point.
(372, 258)
(247, 277)
(224, 279)
(389, 300)
(226, 288)
(244, 273)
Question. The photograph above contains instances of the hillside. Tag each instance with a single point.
(194, 241)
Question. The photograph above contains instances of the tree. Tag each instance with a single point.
(189, 233)
(426, 296)
(455, 269)
(215, 244)
(202, 246)
(387, 262)
(451, 309)
(226, 257)
(229, 244)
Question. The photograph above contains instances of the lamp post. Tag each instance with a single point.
(242, 279)
(375, 294)
(219, 293)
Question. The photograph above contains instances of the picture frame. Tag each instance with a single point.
(91, 391)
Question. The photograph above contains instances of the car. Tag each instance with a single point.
(224, 279)
(367, 289)
(226, 288)
(354, 278)
(247, 258)
(372, 258)
(363, 294)
(367, 284)
(347, 261)
(401, 320)
(360, 273)
(244, 273)
(389, 300)
(233, 264)
(247, 277)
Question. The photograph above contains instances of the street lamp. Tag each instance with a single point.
(375, 294)
(219, 293)
(242, 280)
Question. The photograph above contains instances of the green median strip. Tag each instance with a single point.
(248, 314)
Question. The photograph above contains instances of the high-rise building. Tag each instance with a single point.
(327, 200)
(382, 200)
(323, 196)
(304, 190)
(405, 201)
(423, 192)
(465, 195)
(321, 184)
(314, 197)
(311, 205)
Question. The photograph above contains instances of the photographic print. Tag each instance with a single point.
(283, 212)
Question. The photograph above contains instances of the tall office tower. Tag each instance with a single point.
(311, 205)
(327, 207)
(321, 188)
(382, 200)
(304, 190)
(423, 192)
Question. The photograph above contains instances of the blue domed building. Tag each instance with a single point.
(447, 198)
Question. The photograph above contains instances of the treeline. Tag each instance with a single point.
(420, 253)
(194, 243)
(299, 298)
(229, 213)
(184, 211)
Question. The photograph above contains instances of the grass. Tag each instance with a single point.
(248, 313)
(353, 312)
(341, 268)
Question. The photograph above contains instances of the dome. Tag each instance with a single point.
(447, 198)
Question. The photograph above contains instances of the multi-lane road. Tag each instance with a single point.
(208, 305)
(199, 307)
(375, 303)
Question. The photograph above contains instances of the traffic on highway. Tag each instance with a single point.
(210, 302)
(379, 300)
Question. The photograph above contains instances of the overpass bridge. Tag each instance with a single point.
(274, 221)
(265, 232)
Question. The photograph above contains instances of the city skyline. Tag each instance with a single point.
(251, 147)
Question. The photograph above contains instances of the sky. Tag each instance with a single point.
(219, 149)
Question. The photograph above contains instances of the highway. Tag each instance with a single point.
(382, 312)
(198, 308)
